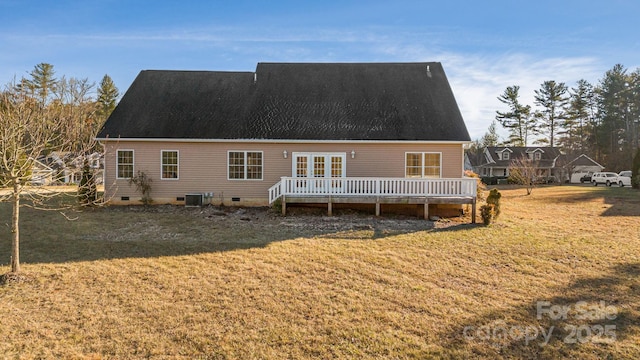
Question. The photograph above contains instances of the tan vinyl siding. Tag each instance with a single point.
(203, 166)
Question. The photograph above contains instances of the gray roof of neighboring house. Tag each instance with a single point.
(476, 158)
(584, 160)
(548, 155)
(292, 101)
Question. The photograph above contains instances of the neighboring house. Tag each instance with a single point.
(41, 174)
(95, 160)
(292, 132)
(582, 166)
(472, 159)
(492, 165)
(68, 166)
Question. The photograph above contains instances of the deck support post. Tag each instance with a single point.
(377, 206)
(473, 211)
(284, 206)
(329, 207)
(426, 209)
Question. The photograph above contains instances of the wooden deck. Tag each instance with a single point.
(376, 191)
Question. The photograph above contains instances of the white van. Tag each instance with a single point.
(624, 178)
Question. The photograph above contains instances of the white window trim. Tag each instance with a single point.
(178, 165)
(133, 164)
(422, 153)
(245, 165)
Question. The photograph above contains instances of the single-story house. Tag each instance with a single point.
(290, 132)
(492, 165)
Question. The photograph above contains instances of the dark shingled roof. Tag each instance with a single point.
(548, 155)
(584, 160)
(292, 101)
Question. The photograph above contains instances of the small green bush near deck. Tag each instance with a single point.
(488, 214)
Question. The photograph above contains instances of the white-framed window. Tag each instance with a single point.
(537, 155)
(169, 164)
(505, 155)
(124, 164)
(423, 164)
(244, 165)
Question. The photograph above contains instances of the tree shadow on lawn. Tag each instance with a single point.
(589, 318)
(165, 230)
(623, 201)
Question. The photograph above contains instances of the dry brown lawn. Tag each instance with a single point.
(169, 282)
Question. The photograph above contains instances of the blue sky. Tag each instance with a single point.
(484, 46)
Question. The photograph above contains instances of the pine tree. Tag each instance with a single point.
(517, 120)
(491, 137)
(107, 97)
(614, 142)
(42, 83)
(553, 99)
(579, 124)
(633, 118)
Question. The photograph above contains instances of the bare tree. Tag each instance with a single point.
(524, 171)
(32, 127)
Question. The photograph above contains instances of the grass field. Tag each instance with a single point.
(191, 283)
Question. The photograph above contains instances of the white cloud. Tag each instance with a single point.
(477, 81)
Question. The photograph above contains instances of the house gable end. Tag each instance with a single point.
(584, 160)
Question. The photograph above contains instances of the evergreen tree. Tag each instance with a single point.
(491, 137)
(613, 130)
(579, 123)
(517, 119)
(87, 189)
(633, 118)
(553, 99)
(107, 97)
(42, 82)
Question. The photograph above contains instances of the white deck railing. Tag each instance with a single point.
(369, 186)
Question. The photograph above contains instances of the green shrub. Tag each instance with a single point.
(488, 214)
(494, 200)
(277, 205)
(87, 189)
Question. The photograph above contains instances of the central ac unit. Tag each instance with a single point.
(193, 199)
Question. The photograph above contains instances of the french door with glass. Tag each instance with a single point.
(319, 172)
